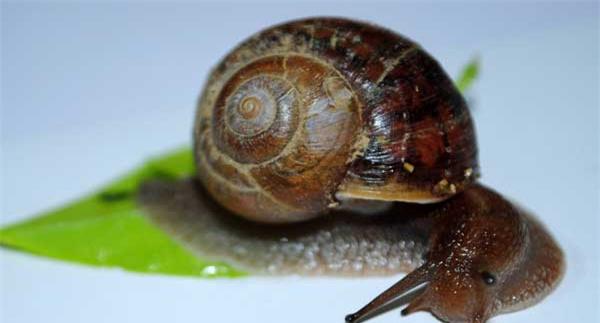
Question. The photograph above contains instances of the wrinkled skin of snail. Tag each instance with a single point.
(310, 137)
(476, 253)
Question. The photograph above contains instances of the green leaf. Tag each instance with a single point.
(468, 74)
(107, 229)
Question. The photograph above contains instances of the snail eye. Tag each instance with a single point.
(488, 278)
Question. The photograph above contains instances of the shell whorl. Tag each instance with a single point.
(262, 111)
(309, 112)
(275, 138)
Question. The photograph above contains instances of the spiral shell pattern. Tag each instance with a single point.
(311, 112)
(275, 136)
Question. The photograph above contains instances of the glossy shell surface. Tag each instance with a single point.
(311, 112)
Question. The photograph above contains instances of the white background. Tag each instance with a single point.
(91, 90)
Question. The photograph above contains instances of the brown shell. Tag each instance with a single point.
(313, 111)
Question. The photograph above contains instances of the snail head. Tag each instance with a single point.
(475, 254)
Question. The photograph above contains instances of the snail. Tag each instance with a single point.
(328, 146)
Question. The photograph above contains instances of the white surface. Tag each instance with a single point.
(90, 90)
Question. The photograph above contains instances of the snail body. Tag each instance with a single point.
(314, 138)
(478, 255)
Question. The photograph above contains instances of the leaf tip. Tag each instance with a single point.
(469, 73)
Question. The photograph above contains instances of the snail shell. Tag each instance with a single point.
(311, 113)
